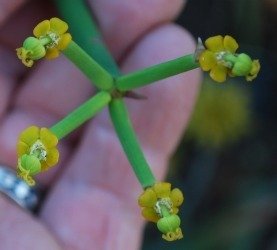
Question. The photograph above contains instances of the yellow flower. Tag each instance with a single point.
(41, 143)
(50, 38)
(222, 115)
(55, 30)
(220, 59)
(32, 50)
(160, 205)
(211, 58)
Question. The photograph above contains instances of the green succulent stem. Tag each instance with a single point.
(157, 72)
(129, 142)
(77, 15)
(96, 73)
(85, 32)
(81, 114)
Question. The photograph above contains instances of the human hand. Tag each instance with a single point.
(92, 193)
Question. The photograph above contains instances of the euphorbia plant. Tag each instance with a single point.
(36, 146)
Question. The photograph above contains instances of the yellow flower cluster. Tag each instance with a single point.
(160, 205)
(36, 149)
(222, 115)
(221, 59)
(50, 38)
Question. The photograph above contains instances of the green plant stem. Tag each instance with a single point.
(83, 28)
(157, 72)
(84, 31)
(128, 139)
(80, 115)
(98, 75)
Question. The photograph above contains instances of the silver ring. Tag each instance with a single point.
(18, 190)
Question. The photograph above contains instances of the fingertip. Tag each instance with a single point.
(171, 99)
(123, 22)
(162, 43)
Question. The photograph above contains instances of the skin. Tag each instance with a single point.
(91, 200)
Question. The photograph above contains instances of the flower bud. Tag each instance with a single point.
(34, 47)
(242, 66)
(29, 163)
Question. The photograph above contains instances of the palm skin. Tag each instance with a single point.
(92, 194)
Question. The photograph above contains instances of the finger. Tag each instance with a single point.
(11, 69)
(7, 7)
(45, 106)
(49, 94)
(161, 119)
(32, 85)
(19, 230)
(99, 183)
(37, 8)
(123, 22)
(33, 102)
(20, 24)
(8, 69)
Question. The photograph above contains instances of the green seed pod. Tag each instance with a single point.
(30, 163)
(169, 223)
(243, 65)
(34, 47)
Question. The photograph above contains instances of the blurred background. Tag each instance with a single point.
(226, 161)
